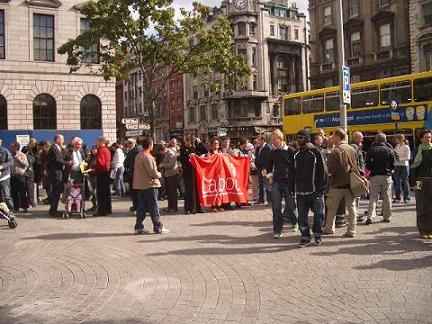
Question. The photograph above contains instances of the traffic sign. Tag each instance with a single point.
(346, 85)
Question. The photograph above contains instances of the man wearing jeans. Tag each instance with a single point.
(380, 161)
(6, 162)
(310, 186)
(281, 169)
(146, 182)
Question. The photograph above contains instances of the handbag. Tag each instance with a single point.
(359, 185)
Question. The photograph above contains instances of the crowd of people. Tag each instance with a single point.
(311, 173)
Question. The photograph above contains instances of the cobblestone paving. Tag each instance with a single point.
(211, 268)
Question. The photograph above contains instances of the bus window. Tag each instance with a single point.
(423, 89)
(313, 104)
(292, 106)
(365, 97)
(332, 101)
(399, 91)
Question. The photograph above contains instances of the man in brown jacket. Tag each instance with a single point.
(146, 182)
(341, 160)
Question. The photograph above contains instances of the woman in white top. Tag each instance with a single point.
(401, 175)
(117, 169)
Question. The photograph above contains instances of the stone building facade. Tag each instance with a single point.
(38, 95)
(272, 36)
(377, 39)
(420, 17)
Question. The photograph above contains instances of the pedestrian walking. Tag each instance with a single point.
(103, 180)
(311, 181)
(6, 163)
(281, 170)
(341, 160)
(18, 180)
(380, 162)
(129, 163)
(423, 161)
(146, 181)
(401, 172)
(118, 169)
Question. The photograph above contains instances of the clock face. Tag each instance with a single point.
(240, 4)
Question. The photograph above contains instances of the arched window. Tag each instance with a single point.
(3, 113)
(91, 112)
(44, 112)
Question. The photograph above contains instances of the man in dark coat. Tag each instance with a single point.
(55, 168)
(262, 158)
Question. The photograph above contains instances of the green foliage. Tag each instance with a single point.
(146, 34)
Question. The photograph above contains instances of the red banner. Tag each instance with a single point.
(221, 179)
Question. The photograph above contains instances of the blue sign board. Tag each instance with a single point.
(375, 116)
(346, 85)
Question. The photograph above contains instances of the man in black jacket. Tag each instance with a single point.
(380, 161)
(129, 163)
(311, 180)
(281, 169)
(262, 158)
(55, 169)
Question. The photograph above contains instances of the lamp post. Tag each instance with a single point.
(343, 107)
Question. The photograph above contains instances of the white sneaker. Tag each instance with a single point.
(277, 236)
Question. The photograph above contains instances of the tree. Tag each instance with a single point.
(147, 35)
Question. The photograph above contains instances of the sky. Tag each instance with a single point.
(302, 4)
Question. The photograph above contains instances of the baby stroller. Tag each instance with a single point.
(74, 199)
(6, 214)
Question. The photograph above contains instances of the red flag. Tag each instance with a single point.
(221, 179)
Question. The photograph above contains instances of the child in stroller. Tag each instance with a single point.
(6, 214)
(74, 199)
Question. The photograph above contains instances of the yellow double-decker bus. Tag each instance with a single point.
(401, 104)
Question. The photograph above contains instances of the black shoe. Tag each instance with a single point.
(304, 243)
(368, 221)
(132, 209)
(386, 220)
(318, 241)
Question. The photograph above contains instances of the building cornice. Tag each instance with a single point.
(44, 3)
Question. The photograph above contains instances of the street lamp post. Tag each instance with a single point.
(343, 107)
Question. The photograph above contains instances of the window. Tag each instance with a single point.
(283, 84)
(422, 89)
(329, 53)
(292, 106)
(354, 8)
(243, 53)
(91, 112)
(364, 97)
(206, 91)
(43, 37)
(313, 104)
(241, 29)
(2, 35)
(328, 15)
(427, 53)
(252, 29)
(276, 111)
(254, 59)
(385, 36)
(44, 112)
(195, 92)
(296, 34)
(427, 13)
(284, 32)
(399, 91)
(203, 113)
(272, 30)
(355, 44)
(3, 113)
(192, 114)
(254, 83)
(214, 112)
(90, 54)
(332, 101)
(383, 3)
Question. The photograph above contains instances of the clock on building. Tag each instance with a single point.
(240, 4)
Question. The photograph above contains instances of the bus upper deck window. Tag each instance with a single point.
(399, 91)
(365, 97)
(313, 104)
(292, 106)
(332, 101)
(423, 89)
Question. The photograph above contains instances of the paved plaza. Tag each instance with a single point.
(211, 268)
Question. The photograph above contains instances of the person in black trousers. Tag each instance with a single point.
(262, 158)
(55, 168)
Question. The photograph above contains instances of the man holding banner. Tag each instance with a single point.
(221, 178)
